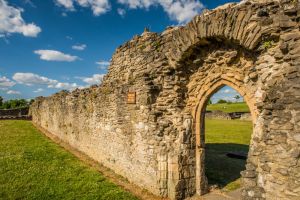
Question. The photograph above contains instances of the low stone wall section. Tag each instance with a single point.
(18, 113)
(217, 114)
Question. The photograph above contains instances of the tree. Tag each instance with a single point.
(209, 102)
(14, 103)
(31, 101)
(1, 101)
(237, 97)
(222, 101)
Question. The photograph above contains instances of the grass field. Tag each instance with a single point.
(224, 136)
(33, 167)
(233, 107)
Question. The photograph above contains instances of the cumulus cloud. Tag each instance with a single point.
(66, 86)
(52, 55)
(227, 91)
(79, 47)
(98, 6)
(103, 64)
(30, 79)
(180, 10)
(11, 21)
(68, 4)
(13, 92)
(38, 90)
(138, 3)
(6, 83)
(95, 79)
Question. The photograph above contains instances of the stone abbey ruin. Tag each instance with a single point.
(145, 121)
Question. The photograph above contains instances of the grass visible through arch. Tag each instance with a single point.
(224, 136)
(33, 167)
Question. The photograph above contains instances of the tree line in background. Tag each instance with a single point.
(14, 103)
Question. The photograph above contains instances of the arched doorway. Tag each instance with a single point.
(202, 183)
(228, 129)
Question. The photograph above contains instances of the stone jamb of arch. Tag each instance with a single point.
(199, 119)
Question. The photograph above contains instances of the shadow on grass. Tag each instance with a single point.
(220, 169)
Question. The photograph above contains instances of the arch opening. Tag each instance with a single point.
(227, 130)
(224, 126)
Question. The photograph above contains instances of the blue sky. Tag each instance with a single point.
(226, 93)
(50, 45)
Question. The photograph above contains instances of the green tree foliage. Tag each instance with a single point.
(1, 101)
(222, 101)
(13, 103)
(237, 97)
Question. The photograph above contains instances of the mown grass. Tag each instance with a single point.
(33, 167)
(231, 107)
(224, 136)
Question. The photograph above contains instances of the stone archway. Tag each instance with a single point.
(199, 117)
(212, 66)
(246, 27)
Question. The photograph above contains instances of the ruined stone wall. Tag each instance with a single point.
(13, 113)
(217, 115)
(158, 142)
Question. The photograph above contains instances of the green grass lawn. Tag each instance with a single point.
(224, 136)
(33, 167)
(233, 107)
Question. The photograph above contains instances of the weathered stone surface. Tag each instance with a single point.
(158, 143)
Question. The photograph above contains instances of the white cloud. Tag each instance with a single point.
(137, 3)
(227, 91)
(5, 82)
(103, 64)
(67, 86)
(121, 12)
(38, 90)
(98, 6)
(95, 79)
(68, 4)
(180, 10)
(13, 92)
(11, 21)
(52, 55)
(30, 79)
(79, 47)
